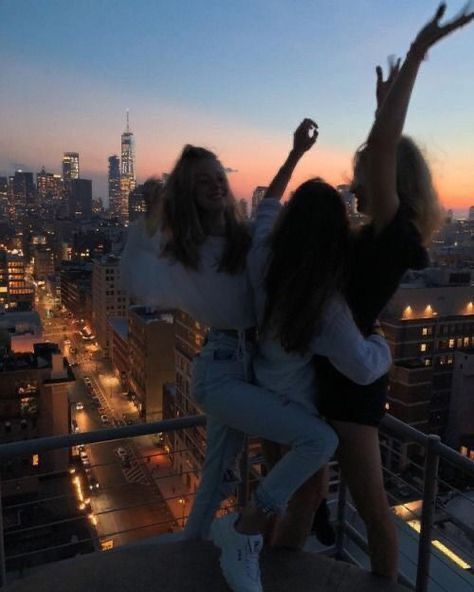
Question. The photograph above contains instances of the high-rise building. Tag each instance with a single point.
(426, 321)
(70, 166)
(471, 213)
(109, 299)
(114, 186)
(23, 195)
(49, 186)
(460, 430)
(4, 196)
(177, 401)
(33, 404)
(257, 197)
(80, 198)
(76, 288)
(16, 293)
(151, 338)
(128, 180)
(43, 262)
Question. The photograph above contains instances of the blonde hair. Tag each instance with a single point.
(415, 187)
(181, 224)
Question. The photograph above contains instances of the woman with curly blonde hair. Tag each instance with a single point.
(393, 186)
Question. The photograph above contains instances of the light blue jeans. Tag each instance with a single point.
(235, 408)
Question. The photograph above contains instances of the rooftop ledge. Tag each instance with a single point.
(192, 566)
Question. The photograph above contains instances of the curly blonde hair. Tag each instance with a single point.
(415, 187)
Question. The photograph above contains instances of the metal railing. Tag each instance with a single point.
(434, 452)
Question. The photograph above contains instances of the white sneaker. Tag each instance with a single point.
(239, 554)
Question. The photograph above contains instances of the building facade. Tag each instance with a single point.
(109, 299)
(151, 338)
(114, 186)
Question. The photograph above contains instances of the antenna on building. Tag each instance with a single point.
(128, 121)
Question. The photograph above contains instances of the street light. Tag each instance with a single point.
(182, 501)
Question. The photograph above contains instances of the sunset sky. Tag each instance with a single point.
(236, 76)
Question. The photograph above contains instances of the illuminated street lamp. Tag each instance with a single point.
(182, 501)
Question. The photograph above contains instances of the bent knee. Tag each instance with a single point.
(323, 441)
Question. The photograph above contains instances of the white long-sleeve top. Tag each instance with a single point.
(291, 375)
(218, 299)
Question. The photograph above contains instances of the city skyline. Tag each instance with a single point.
(256, 74)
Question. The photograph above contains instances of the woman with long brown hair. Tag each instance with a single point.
(393, 186)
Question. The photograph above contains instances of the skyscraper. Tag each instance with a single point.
(128, 180)
(80, 198)
(49, 186)
(114, 186)
(23, 194)
(70, 166)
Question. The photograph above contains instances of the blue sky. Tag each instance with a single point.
(234, 75)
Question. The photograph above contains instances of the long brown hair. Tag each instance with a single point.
(307, 263)
(181, 223)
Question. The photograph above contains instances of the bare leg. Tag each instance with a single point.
(361, 465)
(293, 528)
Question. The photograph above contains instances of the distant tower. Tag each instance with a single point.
(128, 180)
(70, 166)
(257, 197)
(114, 186)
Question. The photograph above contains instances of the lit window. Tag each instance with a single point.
(423, 347)
(463, 451)
(451, 343)
(466, 342)
(427, 361)
(424, 331)
(35, 460)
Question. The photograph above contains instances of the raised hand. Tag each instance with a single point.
(305, 136)
(383, 86)
(433, 31)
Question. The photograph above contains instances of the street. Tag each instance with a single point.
(125, 502)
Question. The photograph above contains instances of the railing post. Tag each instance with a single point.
(427, 513)
(341, 517)
(3, 575)
(242, 496)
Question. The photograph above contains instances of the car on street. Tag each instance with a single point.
(79, 406)
(85, 459)
(104, 419)
(93, 482)
(87, 380)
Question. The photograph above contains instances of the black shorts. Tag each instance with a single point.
(338, 398)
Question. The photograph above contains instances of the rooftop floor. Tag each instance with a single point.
(192, 567)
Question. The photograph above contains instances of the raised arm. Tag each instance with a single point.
(362, 360)
(388, 126)
(304, 138)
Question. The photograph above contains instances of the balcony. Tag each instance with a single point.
(117, 539)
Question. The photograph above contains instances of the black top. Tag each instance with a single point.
(377, 264)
